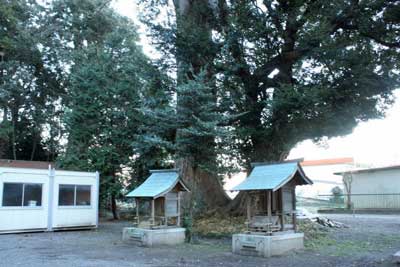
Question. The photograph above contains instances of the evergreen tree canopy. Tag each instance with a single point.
(238, 81)
(109, 80)
(308, 69)
(29, 87)
(295, 70)
(285, 70)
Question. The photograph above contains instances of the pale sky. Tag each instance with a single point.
(376, 142)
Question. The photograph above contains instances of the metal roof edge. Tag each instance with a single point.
(303, 174)
(163, 170)
(254, 164)
(386, 168)
(328, 161)
(171, 187)
(184, 185)
(290, 177)
(178, 180)
(286, 180)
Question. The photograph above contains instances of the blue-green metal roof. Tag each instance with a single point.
(157, 184)
(272, 176)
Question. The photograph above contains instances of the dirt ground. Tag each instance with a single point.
(370, 240)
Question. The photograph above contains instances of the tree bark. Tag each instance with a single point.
(34, 145)
(13, 133)
(4, 141)
(114, 208)
(207, 192)
(194, 20)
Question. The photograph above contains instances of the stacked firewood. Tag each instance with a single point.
(328, 222)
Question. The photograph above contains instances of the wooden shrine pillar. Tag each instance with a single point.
(294, 209)
(137, 210)
(165, 211)
(152, 212)
(269, 205)
(248, 208)
(178, 221)
(280, 195)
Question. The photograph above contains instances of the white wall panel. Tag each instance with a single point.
(38, 218)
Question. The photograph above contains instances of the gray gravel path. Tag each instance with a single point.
(370, 241)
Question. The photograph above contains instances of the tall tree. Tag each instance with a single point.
(199, 122)
(288, 70)
(108, 82)
(308, 69)
(29, 86)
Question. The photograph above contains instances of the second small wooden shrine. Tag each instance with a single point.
(162, 193)
(271, 209)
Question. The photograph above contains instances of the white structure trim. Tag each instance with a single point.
(98, 197)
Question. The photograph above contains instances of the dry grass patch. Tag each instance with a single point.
(218, 226)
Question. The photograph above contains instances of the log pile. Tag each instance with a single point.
(328, 222)
(304, 215)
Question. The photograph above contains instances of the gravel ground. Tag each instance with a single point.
(370, 240)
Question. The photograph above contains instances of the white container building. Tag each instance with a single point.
(47, 199)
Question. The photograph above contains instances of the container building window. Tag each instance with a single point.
(74, 195)
(22, 194)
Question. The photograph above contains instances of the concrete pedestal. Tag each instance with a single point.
(266, 246)
(154, 237)
(396, 257)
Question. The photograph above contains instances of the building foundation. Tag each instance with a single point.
(266, 246)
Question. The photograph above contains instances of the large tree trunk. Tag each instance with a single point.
(194, 26)
(197, 19)
(4, 139)
(34, 145)
(207, 192)
(13, 133)
(114, 208)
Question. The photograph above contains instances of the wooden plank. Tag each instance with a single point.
(269, 212)
(294, 209)
(137, 211)
(248, 208)
(165, 211)
(178, 221)
(281, 210)
(152, 212)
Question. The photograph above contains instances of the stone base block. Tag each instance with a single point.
(266, 246)
(154, 237)
(396, 257)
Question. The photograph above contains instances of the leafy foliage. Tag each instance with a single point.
(237, 81)
(29, 87)
(74, 82)
(295, 70)
(109, 80)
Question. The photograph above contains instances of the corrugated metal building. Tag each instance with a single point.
(375, 188)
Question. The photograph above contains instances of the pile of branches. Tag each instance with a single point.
(315, 228)
(328, 222)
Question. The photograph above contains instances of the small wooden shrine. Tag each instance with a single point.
(271, 208)
(271, 201)
(159, 196)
